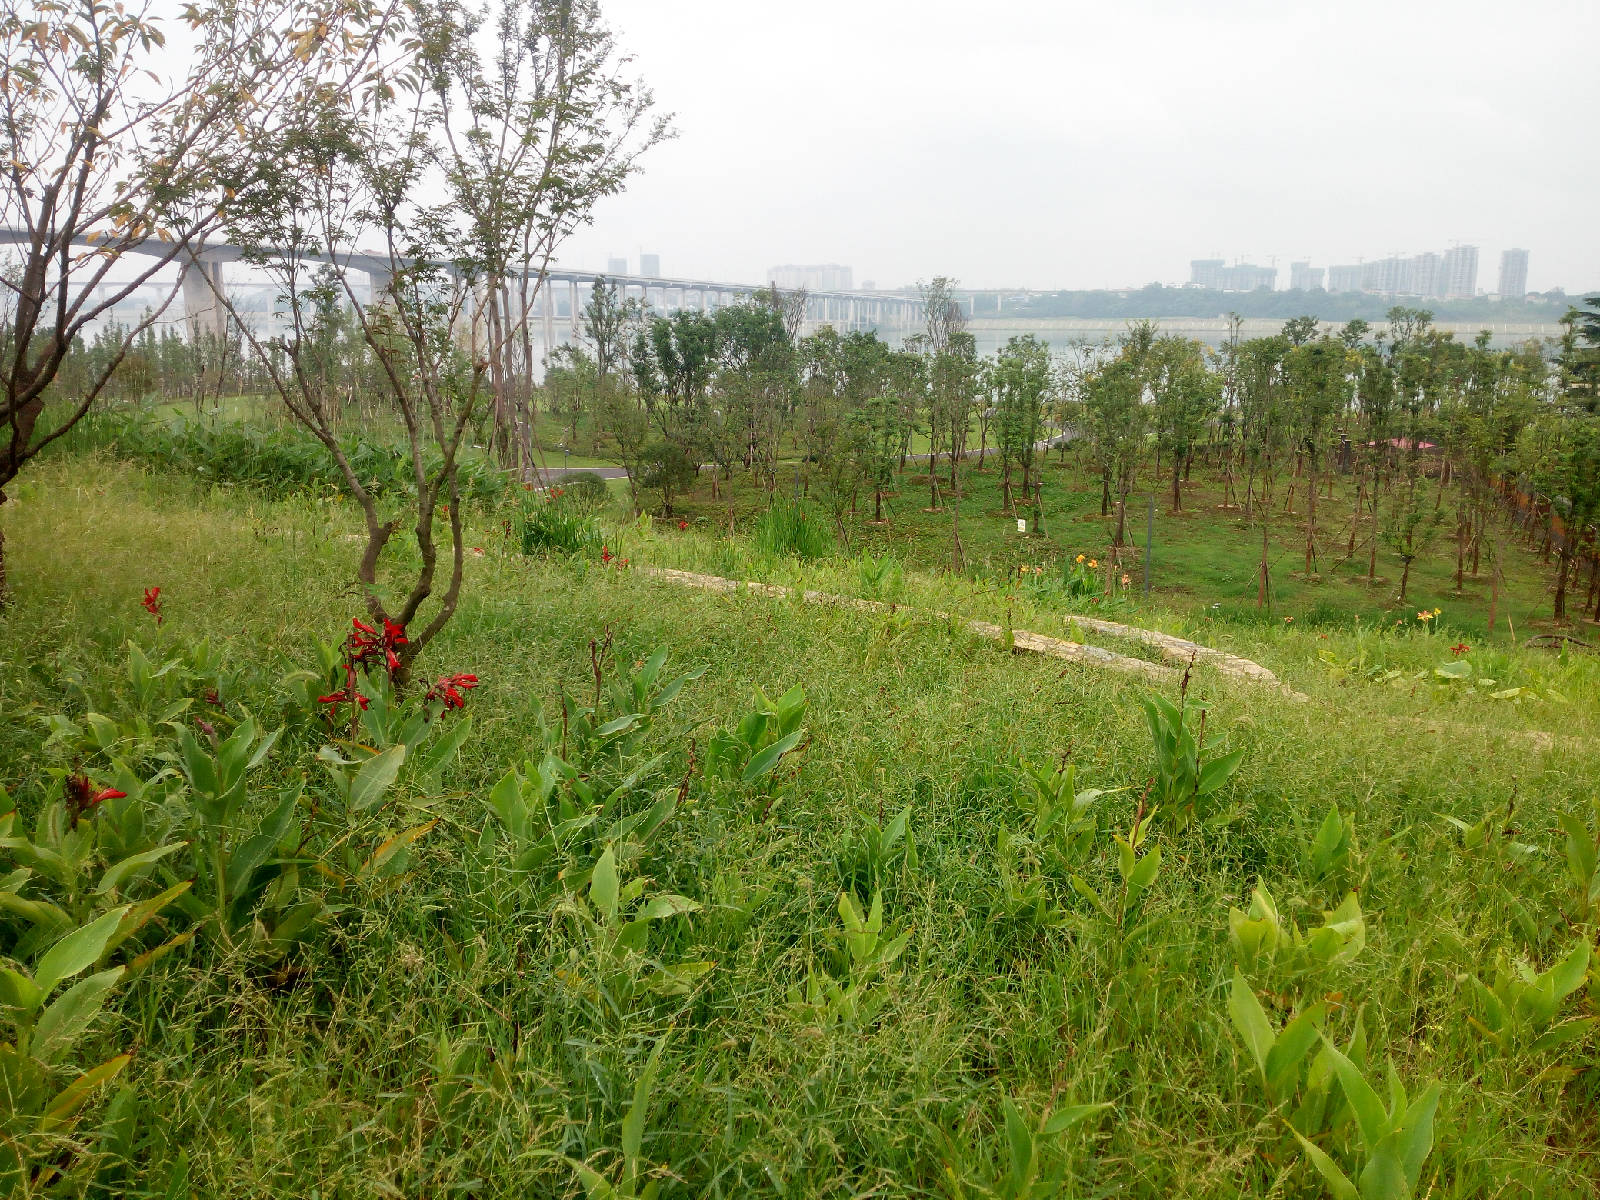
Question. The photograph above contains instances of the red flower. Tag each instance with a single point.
(343, 697)
(683, 524)
(82, 795)
(152, 603)
(449, 688)
(365, 643)
(1459, 649)
(605, 554)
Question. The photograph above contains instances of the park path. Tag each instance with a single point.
(1174, 649)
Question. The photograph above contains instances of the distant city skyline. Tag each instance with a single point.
(1078, 146)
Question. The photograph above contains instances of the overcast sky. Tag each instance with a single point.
(1053, 143)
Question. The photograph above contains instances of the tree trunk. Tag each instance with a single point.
(1405, 576)
(1563, 573)
(1261, 587)
(1311, 524)
(1177, 497)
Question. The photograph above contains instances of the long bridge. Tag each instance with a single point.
(558, 305)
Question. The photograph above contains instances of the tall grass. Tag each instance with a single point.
(792, 528)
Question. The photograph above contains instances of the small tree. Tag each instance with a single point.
(117, 165)
(403, 163)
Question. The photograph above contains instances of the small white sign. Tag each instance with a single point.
(1022, 524)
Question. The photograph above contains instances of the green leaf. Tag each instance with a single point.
(118, 873)
(1414, 1138)
(1218, 771)
(77, 951)
(1371, 1117)
(1019, 1140)
(1294, 1042)
(1064, 1119)
(64, 1020)
(633, 1120)
(604, 887)
(375, 778)
(1250, 1019)
(1144, 874)
(1338, 1182)
(767, 760)
(72, 1097)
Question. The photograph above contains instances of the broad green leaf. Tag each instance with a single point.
(1383, 1176)
(1371, 1118)
(1294, 1042)
(1144, 874)
(119, 873)
(633, 1120)
(72, 1097)
(1019, 1140)
(69, 1015)
(375, 778)
(77, 951)
(1218, 771)
(1414, 1138)
(604, 887)
(1338, 1182)
(1250, 1019)
(18, 991)
(1064, 1119)
(669, 905)
(768, 759)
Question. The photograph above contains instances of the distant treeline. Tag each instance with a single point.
(1158, 301)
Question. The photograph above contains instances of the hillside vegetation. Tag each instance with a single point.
(865, 905)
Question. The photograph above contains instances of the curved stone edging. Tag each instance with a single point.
(1172, 648)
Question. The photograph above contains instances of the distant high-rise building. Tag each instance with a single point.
(1448, 276)
(1345, 279)
(1303, 277)
(1213, 273)
(650, 266)
(1513, 274)
(1458, 273)
(823, 277)
(1207, 273)
(616, 266)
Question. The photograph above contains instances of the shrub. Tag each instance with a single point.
(280, 462)
(793, 527)
(586, 489)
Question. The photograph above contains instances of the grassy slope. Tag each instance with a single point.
(333, 1086)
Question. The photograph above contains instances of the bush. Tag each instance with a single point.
(793, 527)
(586, 489)
(281, 462)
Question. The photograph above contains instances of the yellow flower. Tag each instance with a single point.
(1424, 615)
(1079, 558)
(1437, 611)
(1092, 563)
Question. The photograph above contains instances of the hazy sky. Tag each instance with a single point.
(1053, 143)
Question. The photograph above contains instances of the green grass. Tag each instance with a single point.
(437, 1037)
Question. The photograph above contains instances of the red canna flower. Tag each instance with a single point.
(1459, 649)
(605, 554)
(449, 688)
(152, 603)
(683, 524)
(82, 795)
(343, 697)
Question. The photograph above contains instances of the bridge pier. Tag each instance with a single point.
(201, 305)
